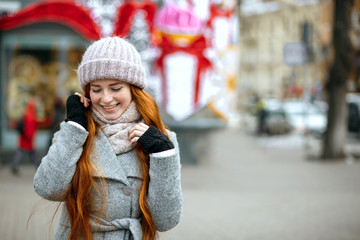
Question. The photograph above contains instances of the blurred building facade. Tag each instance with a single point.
(265, 28)
(354, 78)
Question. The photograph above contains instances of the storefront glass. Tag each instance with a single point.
(40, 66)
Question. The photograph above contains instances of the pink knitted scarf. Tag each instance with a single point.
(117, 131)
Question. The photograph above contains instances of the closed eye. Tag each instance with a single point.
(116, 89)
(95, 90)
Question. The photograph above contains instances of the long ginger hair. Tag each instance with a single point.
(79, 202)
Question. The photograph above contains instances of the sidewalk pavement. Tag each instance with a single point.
(240, 190)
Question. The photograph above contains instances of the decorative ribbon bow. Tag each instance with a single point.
(216, 12)
(196, 49)
(126, 13)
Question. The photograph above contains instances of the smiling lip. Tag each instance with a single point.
(109, 108)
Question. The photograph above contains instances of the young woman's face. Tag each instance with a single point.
(110, 97)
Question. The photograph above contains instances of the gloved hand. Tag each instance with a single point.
(76, 111)
(155, 141)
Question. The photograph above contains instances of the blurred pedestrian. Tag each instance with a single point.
(26, 146)
(261, 115)
(112, 162)
(59, 116)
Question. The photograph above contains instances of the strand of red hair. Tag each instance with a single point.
(78, 201)
(149, 110)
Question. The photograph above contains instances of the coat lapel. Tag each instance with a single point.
(106, 161)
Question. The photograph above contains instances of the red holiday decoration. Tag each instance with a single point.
(215, 12)
(196, 49)
(64, 12)
(126, 13)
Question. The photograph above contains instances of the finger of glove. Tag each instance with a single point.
(138, 130)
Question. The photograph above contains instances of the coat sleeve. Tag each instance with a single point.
(164, 194)
(54, 175)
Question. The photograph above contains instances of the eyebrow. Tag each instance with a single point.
(111, 84)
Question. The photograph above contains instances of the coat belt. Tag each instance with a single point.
(132, 224)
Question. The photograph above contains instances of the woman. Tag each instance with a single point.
(112, 162)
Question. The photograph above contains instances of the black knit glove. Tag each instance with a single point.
(155, 141)
(76, 111)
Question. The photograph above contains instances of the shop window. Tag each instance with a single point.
(40, 68)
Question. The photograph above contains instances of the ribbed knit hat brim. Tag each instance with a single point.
(111, 58)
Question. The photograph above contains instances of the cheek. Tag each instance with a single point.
(124, 97)
(94, 99)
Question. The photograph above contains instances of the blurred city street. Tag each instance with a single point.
(253, 88)
(245, 187)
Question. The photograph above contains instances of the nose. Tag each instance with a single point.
(106, 97)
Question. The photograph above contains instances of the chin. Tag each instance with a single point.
(113, 116)
(110, 117)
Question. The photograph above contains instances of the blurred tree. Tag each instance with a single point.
(335, 137)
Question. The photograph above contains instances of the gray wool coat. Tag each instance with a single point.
(54, 175)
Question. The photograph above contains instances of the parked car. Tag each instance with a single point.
(276, 122)
(306, 117)
(353, 102)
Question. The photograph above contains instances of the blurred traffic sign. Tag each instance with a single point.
(294, 54)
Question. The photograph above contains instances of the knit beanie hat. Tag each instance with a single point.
(111, 58)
